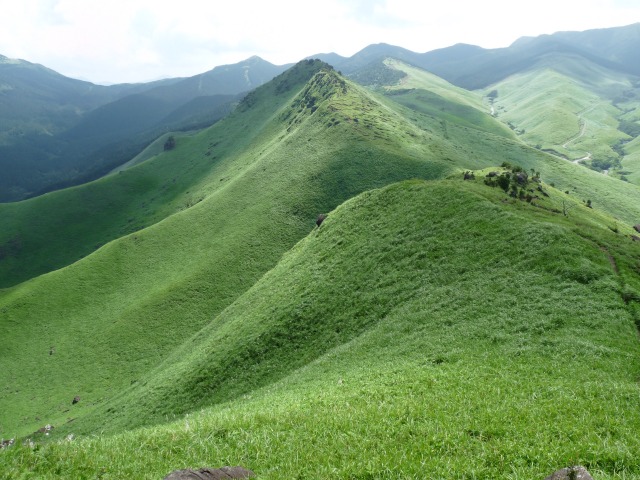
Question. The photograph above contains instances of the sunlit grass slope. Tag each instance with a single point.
(573, 108)
(96, 326)
(427, 93)
(425, 330)
(472, 139)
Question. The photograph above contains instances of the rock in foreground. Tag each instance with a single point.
(223, 473)
(570, 473)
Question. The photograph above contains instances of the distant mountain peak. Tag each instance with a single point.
(254, 59)
(10, 61)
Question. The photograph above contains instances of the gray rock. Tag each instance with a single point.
(223, 473)
(637, 227)
(521, 178)
(7, 443)
(571, 473)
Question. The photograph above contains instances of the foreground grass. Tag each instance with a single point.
(403, 418)
(425, 330)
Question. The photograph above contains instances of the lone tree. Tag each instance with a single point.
(170, 143)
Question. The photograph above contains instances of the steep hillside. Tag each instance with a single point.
(54, 230)
(425, 330)
(431, 95)
(246, 189)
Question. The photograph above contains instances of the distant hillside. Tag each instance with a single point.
(35, 99)
(617, 45)
(222, 80)
(574, 108)
(59, 132)
(472, 67)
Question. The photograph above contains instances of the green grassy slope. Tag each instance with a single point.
(631, 161)
(473, 139)
(119, 327)
(429, 94)
(572, 108)
(115, 314)
(54, 230)
(426, 330)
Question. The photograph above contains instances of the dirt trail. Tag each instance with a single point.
(612, 261)
(587, 157)
(583, 129)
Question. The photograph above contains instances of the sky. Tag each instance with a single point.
(117, 41)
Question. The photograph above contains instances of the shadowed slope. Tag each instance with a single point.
(54, 230)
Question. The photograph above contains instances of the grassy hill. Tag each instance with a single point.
(164, 293)
(572, 108)
(236, 215)
(431, 95)
(425, 329)
(54, 230)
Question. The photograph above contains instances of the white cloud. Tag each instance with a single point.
(127, 40)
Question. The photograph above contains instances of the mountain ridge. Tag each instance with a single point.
(238, 213)
(427, 269)
(51, 162)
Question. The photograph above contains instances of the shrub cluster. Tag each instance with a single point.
(170, 144)
(515, 181)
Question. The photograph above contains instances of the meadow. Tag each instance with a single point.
(459, 353)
